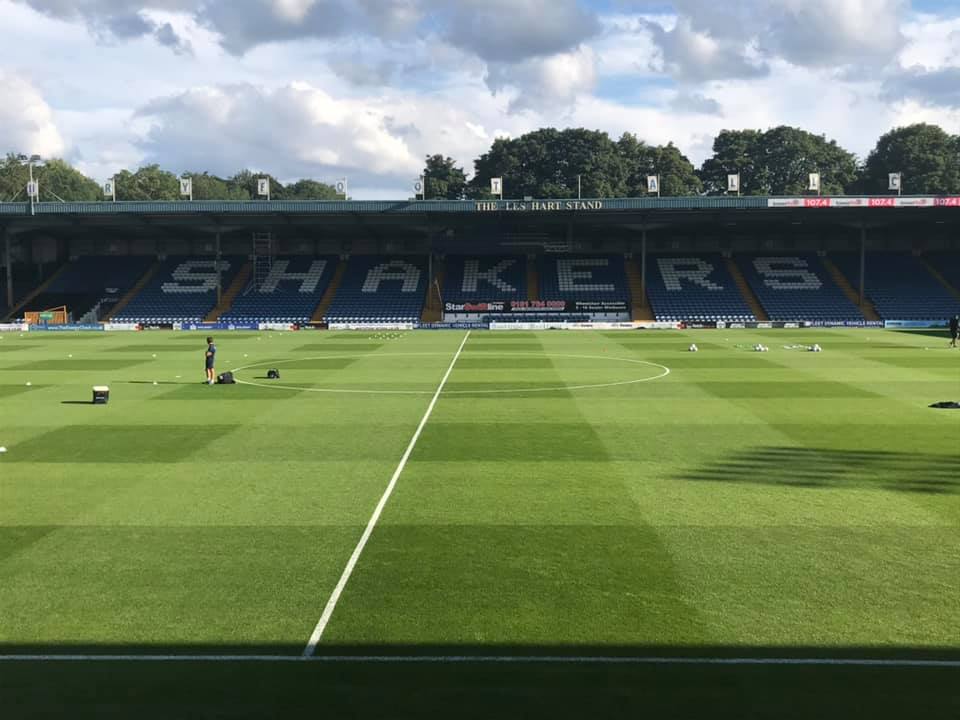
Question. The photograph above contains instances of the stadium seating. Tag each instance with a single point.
(184, 289)
(899, 286)
(26, 277)
(380, 289)
(586, 279)
(89, 282)
(485, 278)
(291, 292)
(948, 265)
(694, 288)
(796, 287)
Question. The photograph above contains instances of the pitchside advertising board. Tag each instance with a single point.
(66, 328)
(537, 306)
(863, 202)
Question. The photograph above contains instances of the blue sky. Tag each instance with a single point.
(365, 89)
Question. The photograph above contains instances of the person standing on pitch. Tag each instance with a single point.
(211, 360)
(954, 330)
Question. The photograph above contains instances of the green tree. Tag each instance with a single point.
(310, 190)
(778, 162)
(211, 187)
(546, 164)
(147, 183)
(927, 157)
(677, 174)
(734, 151)
(443, 179)
(58, 180)
(246, 180)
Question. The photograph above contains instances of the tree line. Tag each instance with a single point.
(551, 163)
(59, 181)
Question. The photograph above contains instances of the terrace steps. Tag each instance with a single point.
(868, 311)
(940, 278)
(533, 280)
(331, 292)
(640, 304)
(236, 287)
(42, 287)
(746, 291)
(134, 291)
(432, 307)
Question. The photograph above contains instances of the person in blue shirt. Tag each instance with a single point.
(210, 358)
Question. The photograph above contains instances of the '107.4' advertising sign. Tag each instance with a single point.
(864, 202)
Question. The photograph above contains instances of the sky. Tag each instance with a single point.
(365, 89)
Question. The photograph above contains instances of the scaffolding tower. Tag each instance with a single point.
(262, 258)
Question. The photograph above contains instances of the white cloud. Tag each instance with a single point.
(555, 82)
(278, 87)
(26, 119)
(297, 130)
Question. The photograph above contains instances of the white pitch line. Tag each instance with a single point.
(358, 550)
(493, 660)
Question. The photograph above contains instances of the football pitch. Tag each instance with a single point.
(515, 515)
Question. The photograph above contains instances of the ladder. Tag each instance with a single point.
(262, 258)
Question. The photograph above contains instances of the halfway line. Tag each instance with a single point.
(358, 550)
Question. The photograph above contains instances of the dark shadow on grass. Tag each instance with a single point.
(475, 689)
(75, 402)
(822, 468)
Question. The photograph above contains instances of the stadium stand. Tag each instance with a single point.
(485, 278)
(26, 278)
(290, 293)
(184, 289)
(900, 286)
(947, 266)
(593, 279)
(380, 289)
(88, 286)
(796, 287)
(696, 288)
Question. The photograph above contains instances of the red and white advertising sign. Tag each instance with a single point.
(855, 202)
(849, 202)
(785, 202)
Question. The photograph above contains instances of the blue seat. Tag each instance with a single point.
(796, 287)
(899, 286)
(696, 288)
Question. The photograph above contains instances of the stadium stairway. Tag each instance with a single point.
(320, 313)
(41, 288)
(533, 280)
(640, 308)
(432, 307)
(236, 287)
(868, 311)
(940, 278)
(746, 291)
(134, 291)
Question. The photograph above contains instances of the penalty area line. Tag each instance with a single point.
(378, 510)
(490, 660)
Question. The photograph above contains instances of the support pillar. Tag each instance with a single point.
(9, 259)
(863, 263)
(219, 273)
(643, 267)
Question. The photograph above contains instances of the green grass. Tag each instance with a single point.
(559, 501)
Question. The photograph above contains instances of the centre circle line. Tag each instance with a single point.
(500, 391)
